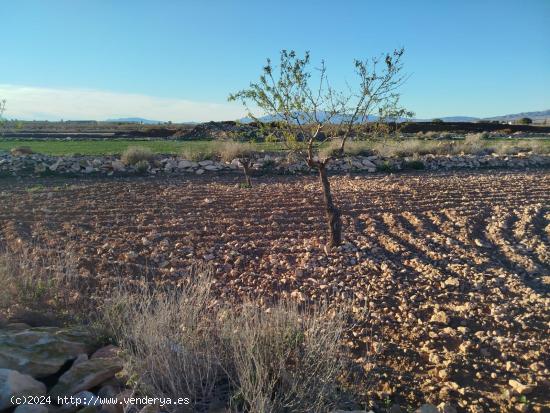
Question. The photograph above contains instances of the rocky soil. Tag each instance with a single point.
(43, 165)
(454, 268)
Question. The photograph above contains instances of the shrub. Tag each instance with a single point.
(473, 144)
(385, 167)
(134, 154)
(415, 165)
(170, 339)
(513, 148)
(352, 148)
(230, 150)
(286, 360)
(40, 283)
(437, 120)
(525, 121)
(142, 166)
(404, 148)
(196, 155)
(21, 150)
(184, 341)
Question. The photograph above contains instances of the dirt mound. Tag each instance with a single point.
(220, 130)
(469, 127)
(148, 133)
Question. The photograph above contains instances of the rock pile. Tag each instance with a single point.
(44, 165)
(42, 367)
(220, 130)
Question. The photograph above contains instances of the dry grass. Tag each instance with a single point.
(135, 154)
(34, 285)
(472, 144)
(142, 166)
(510, 148)
(200, 153)
(286, 360)
(170, 339)
(21, 151)
(351, 148)
(185, 342)
(230, 150)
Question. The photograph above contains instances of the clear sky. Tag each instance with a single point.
(178, 60)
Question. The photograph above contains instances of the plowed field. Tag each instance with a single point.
(454, 268)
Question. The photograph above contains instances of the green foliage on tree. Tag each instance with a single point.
(305, 103)
(525, 121)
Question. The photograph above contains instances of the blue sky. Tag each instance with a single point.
(178, 60)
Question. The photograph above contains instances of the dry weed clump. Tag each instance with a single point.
(199, 154)
(230, 150)
(170, 339)
(513, 148)
(284, 359)
(474, 143)
(21, 150)
(136, 154)
(34, 285)
(352, 148)
(410, 147)
(185, 342)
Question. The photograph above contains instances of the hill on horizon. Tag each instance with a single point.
(538, 115)
(136, 120)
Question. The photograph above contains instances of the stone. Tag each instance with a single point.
(446, 408)
(522, 407)
(199, 171)
(206, 162)
(368, 164)
(185, 164)
(427, 408)
(13, 383)
(81, 358)
(151, 408)
(41, 351)
(520, 388)
(86, 398)
(440, 317)
(109, 351)
(452, 282)
(31, 408)
(85, 376)
(118, 166)
(55, 165)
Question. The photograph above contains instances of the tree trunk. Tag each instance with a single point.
(246, 169)
(334, 217)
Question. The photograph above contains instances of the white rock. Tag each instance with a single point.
(31, 408)
(368, 164)
(427, 408)
(117, 165)
(185, 164)
(13, 383)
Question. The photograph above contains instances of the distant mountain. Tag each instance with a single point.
(321, 116)
(136, 120)
(543, 114)
(451, 119)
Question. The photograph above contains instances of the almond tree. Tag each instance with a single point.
(305, 104)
